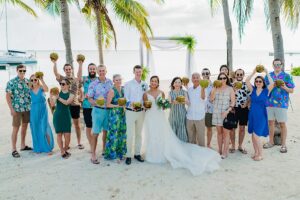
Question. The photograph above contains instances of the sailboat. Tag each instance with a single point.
(14, 57)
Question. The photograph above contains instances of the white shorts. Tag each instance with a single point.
(278, 114)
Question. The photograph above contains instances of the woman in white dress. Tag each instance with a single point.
(161, 145)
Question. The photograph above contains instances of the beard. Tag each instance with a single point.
(92, 74)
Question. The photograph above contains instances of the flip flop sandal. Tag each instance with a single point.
(231, 150)
(68, 154)
(96, 162)
(80, 146)
(243, 151)
(257, 158)
(283, 149)
(15, 154)
(65, 156)
(26, 148)
(268, 145)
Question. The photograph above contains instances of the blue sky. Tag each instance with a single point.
(175, 17)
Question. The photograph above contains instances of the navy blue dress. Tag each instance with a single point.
(258, 117)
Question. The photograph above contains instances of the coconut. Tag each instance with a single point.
(260, 68)
(180, 99)
(185, 80)
(54, 91)
(80, 57)
(121, 101)
(137, 105)
(204, 83)
(217, 83)
(279, 83)
(238, 85)
(54, 56)
(39, 74)
(100, 101)
(147, 104)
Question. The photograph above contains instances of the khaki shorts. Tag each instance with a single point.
(21, 117)
(278, 114)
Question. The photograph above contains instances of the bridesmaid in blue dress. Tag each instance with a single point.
(258, 117)
(42, 137)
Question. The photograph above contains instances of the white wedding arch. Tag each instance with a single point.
(169, 43)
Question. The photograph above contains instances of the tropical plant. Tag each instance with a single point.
(296, 71)
(188, 41)
(61, 8)
(145, 73)
(130, 12)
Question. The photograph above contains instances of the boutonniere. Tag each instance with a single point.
(144, 87)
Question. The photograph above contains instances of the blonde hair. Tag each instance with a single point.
(38, 80)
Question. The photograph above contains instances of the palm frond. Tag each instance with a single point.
(214, 6)
(135, 15)
(53, 7)
(267, 14)
(24, 6)
(290, 10)
(242, 10)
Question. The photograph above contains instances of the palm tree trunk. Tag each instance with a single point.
(228, 29)
(274, 12)
(99, 35)
(65, 23)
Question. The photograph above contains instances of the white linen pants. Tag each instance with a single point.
(134, 123)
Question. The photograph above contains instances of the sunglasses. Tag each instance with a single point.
(258, 81)
(33, 80)
(240, 75)
(62, 84)
(205, 73)
(22, 71)
(222, 78)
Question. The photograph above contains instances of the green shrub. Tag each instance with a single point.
(296, 71)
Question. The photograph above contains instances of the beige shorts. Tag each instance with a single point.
(21, 117)
(278, 114)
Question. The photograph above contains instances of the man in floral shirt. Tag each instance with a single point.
(99, 88)
(18, 100)
(278, 104)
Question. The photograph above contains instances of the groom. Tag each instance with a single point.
(134, 91)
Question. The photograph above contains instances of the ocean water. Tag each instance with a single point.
(167, 64)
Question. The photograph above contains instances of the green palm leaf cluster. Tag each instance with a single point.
(188, 41)
(129, 12)
(23, 5)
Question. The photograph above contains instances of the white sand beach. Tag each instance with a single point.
(41, 177)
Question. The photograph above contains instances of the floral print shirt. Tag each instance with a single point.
(279, 98)
(99, 89)
(20, 94)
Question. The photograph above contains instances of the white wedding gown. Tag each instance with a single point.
(161, 145)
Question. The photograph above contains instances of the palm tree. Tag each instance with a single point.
(242, 10)
(214, 5)
(61, 7)
(290, 9)
(129, 12)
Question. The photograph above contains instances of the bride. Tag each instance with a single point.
(161, 145)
